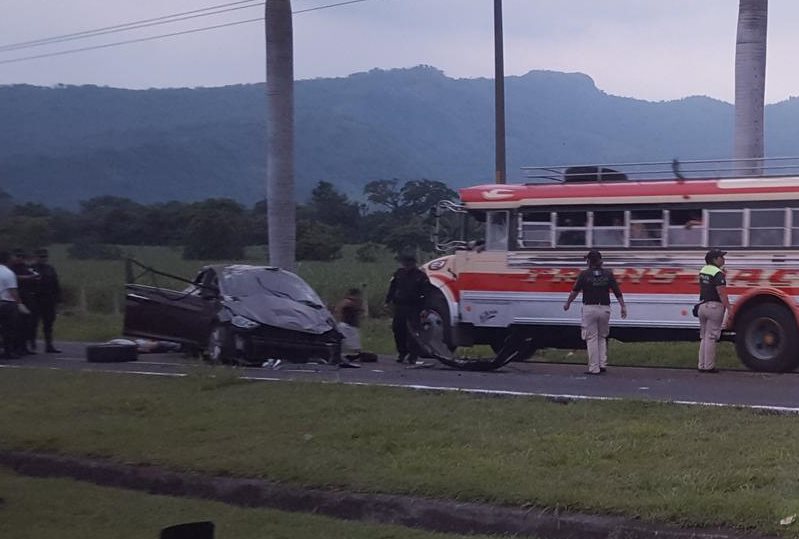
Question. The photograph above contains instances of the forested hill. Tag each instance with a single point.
(65, 144)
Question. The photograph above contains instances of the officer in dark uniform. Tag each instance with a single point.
(48, 295)
(596, 283)
(406, 294)
(27, 280)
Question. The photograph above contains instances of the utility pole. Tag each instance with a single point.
(499, 94)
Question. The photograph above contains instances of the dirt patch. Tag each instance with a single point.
(426, 513)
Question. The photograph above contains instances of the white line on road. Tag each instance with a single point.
(476, 391)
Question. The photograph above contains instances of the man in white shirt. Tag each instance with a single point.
(9, 306)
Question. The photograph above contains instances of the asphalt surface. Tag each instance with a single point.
(776, 392)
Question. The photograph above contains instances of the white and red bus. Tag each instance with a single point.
(508, 288)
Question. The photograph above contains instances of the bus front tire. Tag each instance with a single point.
(767, 338)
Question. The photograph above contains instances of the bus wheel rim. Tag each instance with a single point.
(765, 339)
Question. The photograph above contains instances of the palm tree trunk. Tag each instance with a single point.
(281, 206)
(750, 82)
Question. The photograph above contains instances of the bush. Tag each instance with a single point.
(216, 231)
(318, 241)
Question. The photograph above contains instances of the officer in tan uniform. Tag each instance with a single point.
(714, 303)
(596, 283)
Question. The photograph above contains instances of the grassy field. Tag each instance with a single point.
(96, 299)
(47, 508)
(684, 465)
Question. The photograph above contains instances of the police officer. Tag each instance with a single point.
(48, 295)
(595, 284)
(27, 281)
(406, 294)
(714, 302)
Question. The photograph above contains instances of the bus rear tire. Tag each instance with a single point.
(767, 338)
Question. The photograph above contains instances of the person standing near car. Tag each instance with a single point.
(406, 295)
(48, 295)
(9, 307)
(596, 283)
(713, 304)
(27, 280)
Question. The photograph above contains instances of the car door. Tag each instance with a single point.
(170, 315)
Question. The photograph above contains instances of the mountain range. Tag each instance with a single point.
(60, 145)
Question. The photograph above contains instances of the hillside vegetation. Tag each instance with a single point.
(66, 144)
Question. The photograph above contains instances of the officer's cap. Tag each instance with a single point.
(713, 254)
(406, 258)
(41, 252)
(18, 252)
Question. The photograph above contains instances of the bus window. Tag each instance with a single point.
(646, 228)
(795, 228)
(766, 228)
(535, 229)
(497, 231)
(608, 229)
(685, 228)
(571, 228)
(725, 228)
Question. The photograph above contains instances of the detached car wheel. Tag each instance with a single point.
(111, 353)
(220, 347)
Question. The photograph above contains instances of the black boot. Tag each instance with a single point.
(50, 349)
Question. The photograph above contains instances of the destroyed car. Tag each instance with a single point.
(235, 314)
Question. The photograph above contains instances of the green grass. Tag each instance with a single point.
(88, 327)
(47, 508)
(685, 465)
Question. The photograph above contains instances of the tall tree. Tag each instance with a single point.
(280, 137)
(750, 82)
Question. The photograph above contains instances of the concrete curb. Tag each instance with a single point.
(426, 513)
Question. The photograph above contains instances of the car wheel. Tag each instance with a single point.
(111, 353)
(220, 344)
(767, 338)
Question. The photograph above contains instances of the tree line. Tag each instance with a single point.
(394, 215)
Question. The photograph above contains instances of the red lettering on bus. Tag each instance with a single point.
(748, 277)
(665, 276)
(784, 278)
(566, 275)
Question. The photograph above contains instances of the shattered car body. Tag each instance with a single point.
(236, 314)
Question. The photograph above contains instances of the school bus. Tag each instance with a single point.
(517, 249)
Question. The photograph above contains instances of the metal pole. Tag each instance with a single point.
(499, 93)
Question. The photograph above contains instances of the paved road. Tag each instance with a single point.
(728, 388)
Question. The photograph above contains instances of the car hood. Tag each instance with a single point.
(282, 313)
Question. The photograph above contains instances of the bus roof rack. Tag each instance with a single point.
(698, 169)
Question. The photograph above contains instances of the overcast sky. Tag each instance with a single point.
(649, 49)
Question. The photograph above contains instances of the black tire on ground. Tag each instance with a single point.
(767, 338)
(111, 353)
